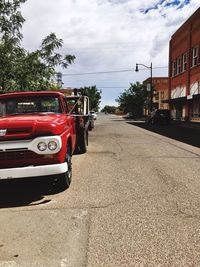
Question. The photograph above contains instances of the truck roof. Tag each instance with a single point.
(35, 93)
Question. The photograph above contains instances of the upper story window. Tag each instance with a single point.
(162, 94)
(194, 56)
(178, 66)
(184, 60)
(156, 95)
(173, 68)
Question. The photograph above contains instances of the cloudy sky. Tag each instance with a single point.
(107, 35)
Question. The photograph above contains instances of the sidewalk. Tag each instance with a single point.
(191, 125)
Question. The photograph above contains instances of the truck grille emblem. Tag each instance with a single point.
(3, 132)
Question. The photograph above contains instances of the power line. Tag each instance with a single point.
(98, 72)
(105, 72)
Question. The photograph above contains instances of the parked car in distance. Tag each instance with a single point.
(159, 116)
(129, 116)
(93, 114)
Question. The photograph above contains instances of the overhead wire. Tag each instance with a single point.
(106, 72)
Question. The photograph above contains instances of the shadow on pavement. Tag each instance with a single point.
(27, 191)
(178, 132)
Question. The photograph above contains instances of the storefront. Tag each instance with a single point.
(177, 107)
(195, 108)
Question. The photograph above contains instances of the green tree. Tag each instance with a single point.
(94, 95)
(21, 70)
(35, 70)
(11, 22)
(109, 109)
(133, 99)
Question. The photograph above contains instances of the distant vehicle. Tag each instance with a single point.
(129, 116)
(159, 116)
(93, 114)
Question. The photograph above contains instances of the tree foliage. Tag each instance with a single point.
(21, 70)
(109, 109)
(94, 95)
(133, 99)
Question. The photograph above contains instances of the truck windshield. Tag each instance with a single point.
(30, 105)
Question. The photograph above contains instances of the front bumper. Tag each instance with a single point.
(33, 171)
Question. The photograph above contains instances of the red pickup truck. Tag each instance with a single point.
(37, 136)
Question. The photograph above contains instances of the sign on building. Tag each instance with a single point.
(148, 87)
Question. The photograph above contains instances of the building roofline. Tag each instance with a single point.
(198, 10)
(166, 77)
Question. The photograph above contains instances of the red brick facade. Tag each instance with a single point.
(160, 86)
(184, 70)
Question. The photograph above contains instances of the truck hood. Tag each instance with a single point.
(30, 126)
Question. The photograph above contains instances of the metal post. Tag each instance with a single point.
(150, 104)
(59, 79)
(151, 92)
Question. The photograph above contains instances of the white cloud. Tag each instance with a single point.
(105, 35)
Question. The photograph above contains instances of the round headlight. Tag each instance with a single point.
(52, 145)
(42, 146)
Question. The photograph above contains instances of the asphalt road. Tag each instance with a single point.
(134, 201)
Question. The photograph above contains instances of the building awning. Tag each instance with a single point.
(180, 100)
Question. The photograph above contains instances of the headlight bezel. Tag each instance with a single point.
(55, 145)
(40, 144)
(33, 146)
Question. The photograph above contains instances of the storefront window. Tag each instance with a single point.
(196, 109)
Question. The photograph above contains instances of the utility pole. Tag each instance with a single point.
(59, 79)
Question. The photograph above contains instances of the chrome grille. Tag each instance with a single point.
(18, 155)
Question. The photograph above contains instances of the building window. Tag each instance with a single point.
(178, 65)
(184, 66)
(162, 95)
(194, 56)
(156, 95)
(173, 68)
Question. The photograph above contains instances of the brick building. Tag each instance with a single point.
(184, 70)
(160, 91)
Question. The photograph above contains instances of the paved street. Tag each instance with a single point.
(134, 201)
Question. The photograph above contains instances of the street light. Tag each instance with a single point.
(151, 82)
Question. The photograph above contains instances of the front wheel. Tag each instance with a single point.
(65, 178)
